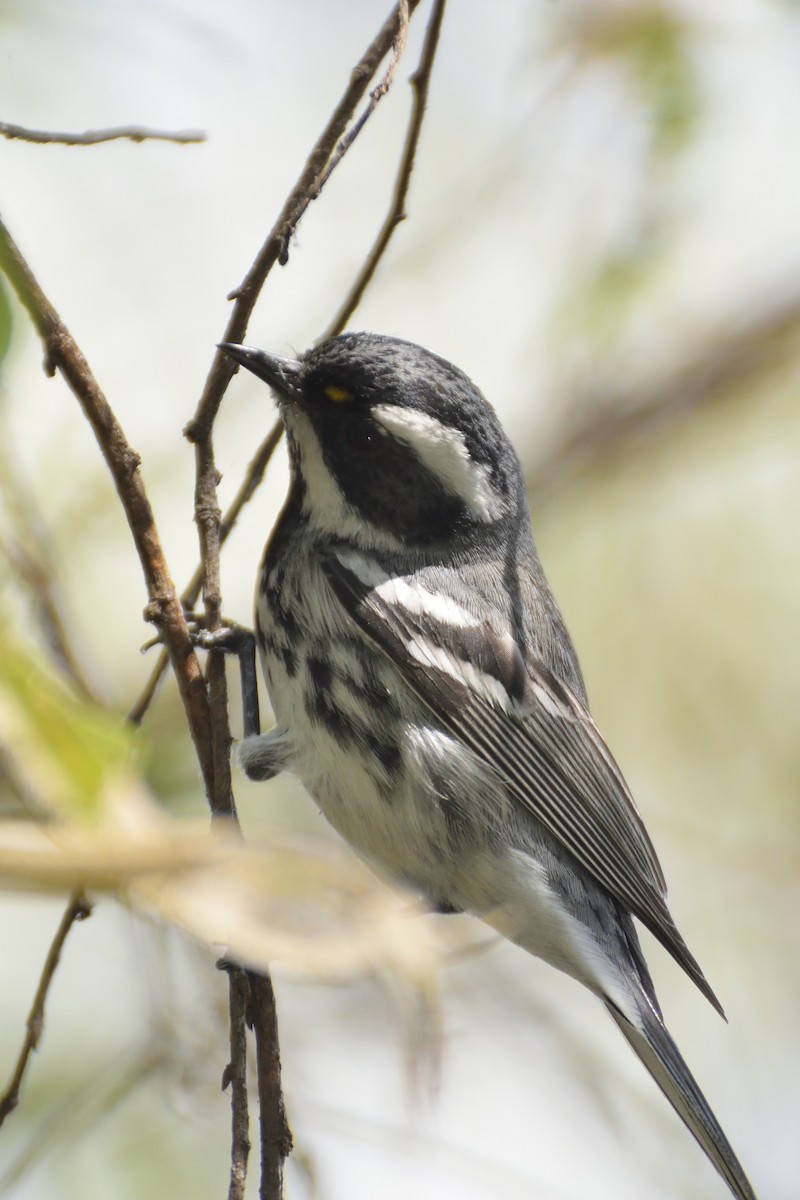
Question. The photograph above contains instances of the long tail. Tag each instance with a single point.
(663, 1060)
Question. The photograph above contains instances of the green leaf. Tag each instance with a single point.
(69, 754)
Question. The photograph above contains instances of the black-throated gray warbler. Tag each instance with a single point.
(428, 695)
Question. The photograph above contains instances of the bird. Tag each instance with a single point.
(427, 693)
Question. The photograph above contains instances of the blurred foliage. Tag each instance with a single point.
(304, 904)
(62, 750)
(651, 48)
(600, 303)
(654, 44)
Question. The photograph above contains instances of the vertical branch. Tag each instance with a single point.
(209, 518)
(275, 1135)
(78, 909)
(276, 1141)
(236, 1076)
(247, 488)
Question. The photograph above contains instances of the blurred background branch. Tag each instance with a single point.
(608, 422)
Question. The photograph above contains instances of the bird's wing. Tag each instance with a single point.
(516, 716)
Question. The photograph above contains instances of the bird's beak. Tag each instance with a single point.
(282, 374)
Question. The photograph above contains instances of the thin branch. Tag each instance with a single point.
(247, 488)
(419, 81)
(78, 909)
(92, 137)
(275, 248)
(208, 518)
(276, 1139)
(275, 1134)
(236, 1075)
(268, 256)
(375, 97)
(165, 608)
(263, 455)
(207, 511)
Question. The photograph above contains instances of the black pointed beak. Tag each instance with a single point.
(282, 374)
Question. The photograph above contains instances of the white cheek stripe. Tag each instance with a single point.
(442, 449)
(325, 504)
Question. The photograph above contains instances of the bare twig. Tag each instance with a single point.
(267, 256)
(252, 479)
(375, 97)
(164, 609)
(92, 137)
(199, 431)
(420, 81)
(275, 1135)
(208, 517)
(77, 910)
(275, 248)
(393, 33)
(236, 1076)
(275, 1139)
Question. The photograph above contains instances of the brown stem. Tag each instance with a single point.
(77, 910)
(276, 1139)
(420, 81)
(275, 248)
(208, 518)
(236, 1076)
(275, 1134)
(375, 97)
(247, 488)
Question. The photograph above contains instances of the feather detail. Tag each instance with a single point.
(529, 728)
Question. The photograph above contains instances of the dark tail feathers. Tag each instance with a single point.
(663, 1060)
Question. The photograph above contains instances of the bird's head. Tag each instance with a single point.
(390, 444)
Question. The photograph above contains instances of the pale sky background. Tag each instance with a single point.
(557, 255)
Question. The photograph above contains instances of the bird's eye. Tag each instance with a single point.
(338, 395)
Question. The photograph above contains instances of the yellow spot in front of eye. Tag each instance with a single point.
(338, 395)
